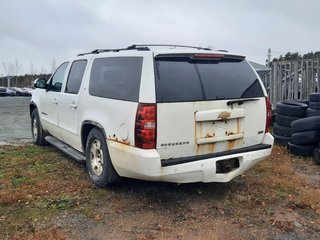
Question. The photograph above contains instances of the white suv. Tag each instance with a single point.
(155, 112)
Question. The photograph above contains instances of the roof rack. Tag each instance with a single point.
(139, 47)
(170, 45)
(132, 47)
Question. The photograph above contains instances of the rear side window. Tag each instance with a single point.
(181, 79)
(75, 76)
(116, 77)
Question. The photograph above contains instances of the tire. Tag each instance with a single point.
(301, 150)
(305, 101)
(273, 117)
(314, 97)
(281, 140)
(306, 124)
(312, 112)
(281, 130)
(314, 105)
(285, 121)
(98, 162)
(306, 138)
(291, 108)
(316, 155)
(38, 134)
(294, 102)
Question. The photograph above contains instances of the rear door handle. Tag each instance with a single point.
(73, 106)
(54, 102)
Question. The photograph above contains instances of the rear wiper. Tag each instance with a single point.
(241, 101)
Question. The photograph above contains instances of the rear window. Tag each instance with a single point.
(116, 78)
(181, 79)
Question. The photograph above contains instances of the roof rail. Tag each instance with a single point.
(169, 45)
(132, 47)
(140, 47)
(222, 50)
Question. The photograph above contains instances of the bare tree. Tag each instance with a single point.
(43, 71)
(53, 65)
(17, 68)
(32, 69)
(8, 68)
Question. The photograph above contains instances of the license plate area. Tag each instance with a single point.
(227, 165)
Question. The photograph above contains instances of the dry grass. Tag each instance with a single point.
(46, 195)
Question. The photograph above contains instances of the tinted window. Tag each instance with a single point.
(117, 78)
(183, 79)
(75, 76)
(57, 78)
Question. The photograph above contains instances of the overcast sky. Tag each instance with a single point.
(36, 32)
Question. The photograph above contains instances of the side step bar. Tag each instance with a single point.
(71, 152)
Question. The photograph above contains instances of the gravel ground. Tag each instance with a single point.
(15, 120)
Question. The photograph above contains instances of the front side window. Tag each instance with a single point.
(75, 76)
(57, 78)
(116, 78)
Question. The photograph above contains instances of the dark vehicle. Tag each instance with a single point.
(10, 92)
(19, 91)
(3, 92)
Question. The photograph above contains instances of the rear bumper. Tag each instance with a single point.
(147, 165)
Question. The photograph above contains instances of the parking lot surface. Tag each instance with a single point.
(14, 120)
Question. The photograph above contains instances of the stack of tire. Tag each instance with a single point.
(314, 110)
(314, 105)
(287, 112)
(305, 136)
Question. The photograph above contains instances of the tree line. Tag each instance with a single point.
(13, 72)
(22, 80)
(296, 56)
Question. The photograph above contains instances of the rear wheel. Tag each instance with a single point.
(98, 162)
(37, 131)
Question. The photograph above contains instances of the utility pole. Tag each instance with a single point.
(269, 57)
(8, 80)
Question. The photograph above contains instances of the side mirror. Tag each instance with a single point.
(40, 83)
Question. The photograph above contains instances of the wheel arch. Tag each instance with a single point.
(32, 106)
(86, 127)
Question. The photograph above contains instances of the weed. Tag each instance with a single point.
(63, 202)
(18, 179)
(269, 211)
(35, 166)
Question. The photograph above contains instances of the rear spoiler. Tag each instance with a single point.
(201, 56)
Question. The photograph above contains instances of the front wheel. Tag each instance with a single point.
(99, 165)
(37, 131)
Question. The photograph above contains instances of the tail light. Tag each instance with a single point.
(145, 127)
(268, 114)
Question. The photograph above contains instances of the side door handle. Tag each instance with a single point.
(73, 106)
(54, 101)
